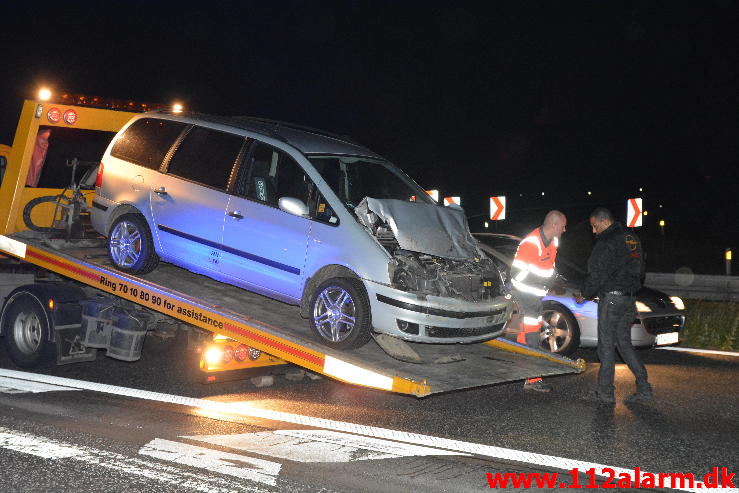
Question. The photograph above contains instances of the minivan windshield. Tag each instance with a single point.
(354, 178)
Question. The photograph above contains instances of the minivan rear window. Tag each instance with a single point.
(147, 141)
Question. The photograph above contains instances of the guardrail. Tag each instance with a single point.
(696, 287)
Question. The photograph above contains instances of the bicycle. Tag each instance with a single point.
(71, 207)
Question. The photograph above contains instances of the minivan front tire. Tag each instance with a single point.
(340, 313)
(130, 245)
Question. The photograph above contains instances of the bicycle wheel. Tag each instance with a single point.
(60, 201)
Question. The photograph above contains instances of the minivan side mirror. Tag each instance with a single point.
(293, 206)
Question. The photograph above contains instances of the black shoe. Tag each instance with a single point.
(640, 398)
(601, 397)
(537, 386)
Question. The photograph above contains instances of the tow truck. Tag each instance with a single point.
(62, 301)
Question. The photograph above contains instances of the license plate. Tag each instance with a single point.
(669, 338)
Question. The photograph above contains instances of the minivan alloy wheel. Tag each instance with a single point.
(340, 313)
(334, 314)
(130, 245)
(125, 244)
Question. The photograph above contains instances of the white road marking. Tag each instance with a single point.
(240, 466)
(318, 446)
(244, 409)
(696, 350)
(15, 386)
(47, 448)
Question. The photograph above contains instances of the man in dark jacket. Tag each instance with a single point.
(614, 276)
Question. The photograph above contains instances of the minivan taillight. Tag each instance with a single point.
(99, 179)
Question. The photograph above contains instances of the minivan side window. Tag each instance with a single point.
(147, 141)
(206, 156)
(322, 211)
(270, 174)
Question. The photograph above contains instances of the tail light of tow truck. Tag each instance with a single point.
(223, 353)
(99, 179)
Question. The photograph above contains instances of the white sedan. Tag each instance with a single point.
(569, 325)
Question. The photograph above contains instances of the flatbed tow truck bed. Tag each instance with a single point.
(278, 329)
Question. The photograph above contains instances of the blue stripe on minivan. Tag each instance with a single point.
(246, 255)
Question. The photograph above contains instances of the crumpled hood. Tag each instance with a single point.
(423, 228)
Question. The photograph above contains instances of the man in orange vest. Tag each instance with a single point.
(531, 273)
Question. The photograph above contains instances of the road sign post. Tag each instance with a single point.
(727, 256)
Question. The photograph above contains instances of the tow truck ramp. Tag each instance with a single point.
(277, 328)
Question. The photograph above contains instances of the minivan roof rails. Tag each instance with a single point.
(296, 126)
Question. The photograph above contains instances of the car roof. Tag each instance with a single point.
(307, 140)
(502, 236)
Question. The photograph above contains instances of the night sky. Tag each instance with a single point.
(473, 98)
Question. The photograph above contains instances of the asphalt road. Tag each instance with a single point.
(172, 434)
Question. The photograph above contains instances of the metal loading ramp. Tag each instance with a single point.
(278, 329)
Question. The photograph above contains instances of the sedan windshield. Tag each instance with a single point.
(354, 178)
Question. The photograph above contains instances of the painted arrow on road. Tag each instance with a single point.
(319, 446)
(16, 386)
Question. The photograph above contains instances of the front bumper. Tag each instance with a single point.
(646, 328)
(435, 319)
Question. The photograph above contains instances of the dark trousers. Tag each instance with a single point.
(616, 315)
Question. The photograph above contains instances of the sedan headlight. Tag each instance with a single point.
(641, 307)
(678, 302)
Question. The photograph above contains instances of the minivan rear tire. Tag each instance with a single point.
(130, 245)
(340, 313)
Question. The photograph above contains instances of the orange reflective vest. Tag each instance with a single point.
(533, 264)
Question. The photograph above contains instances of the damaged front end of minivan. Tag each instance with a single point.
(443, 287)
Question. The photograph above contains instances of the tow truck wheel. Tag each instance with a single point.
(561, 333)
(26, 332)
(130, 245)
(340, 313)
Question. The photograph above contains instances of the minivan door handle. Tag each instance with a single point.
(236, 215)
(160, 191)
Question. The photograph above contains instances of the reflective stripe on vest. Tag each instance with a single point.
(539, 262)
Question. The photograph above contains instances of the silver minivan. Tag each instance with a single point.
(302, 216)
